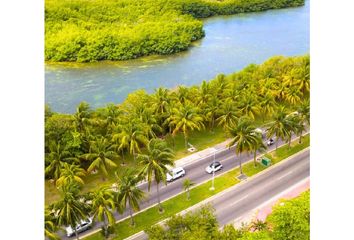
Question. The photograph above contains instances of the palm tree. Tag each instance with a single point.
(57, 156)
(185, 119)
(70, 210)
(181, 94)
(293, 95)
(49, 225)
(82, 116)
(132, 136)
(111, 113)
(304, 111)
(258, 145)
(211, 110)
(186, 186)
(244, 137)
(228, 115)
(279, 127)
(103, 205)
(70, 173)
(150, 123)
(155, 164)
(304, 117)
(161, 100)
(101, 156)
(249, 106)
(267, 105)
(204, 93)
(129, 192)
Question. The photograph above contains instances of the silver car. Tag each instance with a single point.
(81, 227)
(214, 167)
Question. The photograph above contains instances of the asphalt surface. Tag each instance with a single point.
(195, 171)
(245, 197)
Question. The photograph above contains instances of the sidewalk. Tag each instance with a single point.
(201, 154)
(262, 211)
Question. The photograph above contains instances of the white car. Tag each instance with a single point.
(270, 142)
(175, 173)
(214, 167)
(81, 227)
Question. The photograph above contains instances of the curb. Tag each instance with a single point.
(196, 185)
(225, 191)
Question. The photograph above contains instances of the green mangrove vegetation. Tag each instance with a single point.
(94, 30)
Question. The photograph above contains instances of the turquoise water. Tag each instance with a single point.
(231, 43)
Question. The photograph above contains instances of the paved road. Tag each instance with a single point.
(248, 196)
(194, 171)
(243, 198)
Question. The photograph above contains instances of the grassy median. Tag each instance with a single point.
(179, 203)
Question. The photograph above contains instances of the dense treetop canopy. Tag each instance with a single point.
(93, 30)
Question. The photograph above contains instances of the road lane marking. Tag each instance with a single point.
(234, 203)
(285, 175)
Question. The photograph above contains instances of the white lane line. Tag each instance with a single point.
(234, 203)
(285, 175)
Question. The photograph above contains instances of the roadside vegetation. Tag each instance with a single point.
(86, 31)
(149, 217)
(141, 132)
(290, 219)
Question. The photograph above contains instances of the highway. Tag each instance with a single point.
(195, 171)
(239, 200)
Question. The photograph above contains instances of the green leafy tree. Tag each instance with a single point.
(290, 220)
(101, 156)
(57, 156)
(103, 205)
(228, 115)
(129, 192)
(279, 127)
(131, 135)
(82, 116)
(185, 119)
(70, 210)
(249, 106)
(70, 173)
(50, 227)
(257, 145)
(243, 136)
(154, 164)
(187, 184)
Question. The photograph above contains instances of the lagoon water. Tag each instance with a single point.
(230, 44)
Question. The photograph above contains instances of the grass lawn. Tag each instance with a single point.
(284, 152)
(179, 203)
(199, 139)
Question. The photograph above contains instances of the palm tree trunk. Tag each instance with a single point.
(276, 143)
(131, 215)
(105, 227)
(188, 194)
(289, 142)
(300, 137)
(158, 198)
(254, 158)
(185, 141)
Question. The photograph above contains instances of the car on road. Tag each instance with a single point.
(175, 173)
(270, 142)
(213, 167)
(81, 227)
